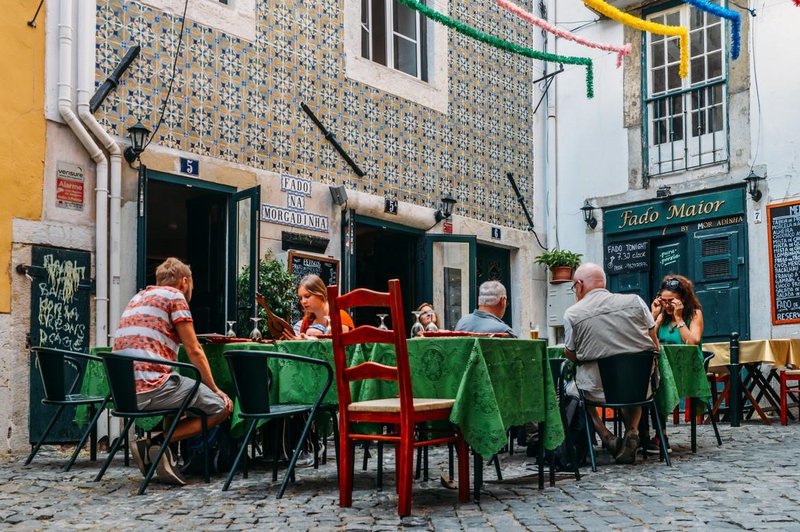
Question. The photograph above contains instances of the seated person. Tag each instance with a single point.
(600, 325)
(313, 296)
(428, 316)
(487, 318)
(154, 324)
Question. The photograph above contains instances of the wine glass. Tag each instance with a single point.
(431, 327)
(382, 326)
(417, 327)
(255, 334)
(230, 333)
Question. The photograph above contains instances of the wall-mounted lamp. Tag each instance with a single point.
(446, 209)
(752, 185)
(664, 191)
(338, 194)
(138, 135)
(588, 214)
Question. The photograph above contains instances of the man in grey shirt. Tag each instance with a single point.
(487, 318)
(600, 325)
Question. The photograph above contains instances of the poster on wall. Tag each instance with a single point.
(783, 220)
(69, 186)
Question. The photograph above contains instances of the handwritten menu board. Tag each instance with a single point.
(625, 257)
(302, 264)
(784, 261)
(60, 287)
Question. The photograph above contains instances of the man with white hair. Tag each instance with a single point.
(600, 325)
(487, 318)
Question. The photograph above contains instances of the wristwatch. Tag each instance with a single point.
(680, 324)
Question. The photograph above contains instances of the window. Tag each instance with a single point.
(404, 47)
(686, 119)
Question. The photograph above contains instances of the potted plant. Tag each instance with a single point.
(562, 263)
(278, 287)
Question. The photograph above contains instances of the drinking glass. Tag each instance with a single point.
(383, 325)
(431, 327)
(417, 327)
(255, 334)
(230, 333)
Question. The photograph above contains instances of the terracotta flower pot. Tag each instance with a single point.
(560, 274)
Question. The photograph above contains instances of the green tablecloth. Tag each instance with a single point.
(682, 375)
(496, 383)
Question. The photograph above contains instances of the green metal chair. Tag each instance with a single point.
(119, 372)
(252, 379)
(53, 366)
(628, 381)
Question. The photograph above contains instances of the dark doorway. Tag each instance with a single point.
(494, 264)
(190, 223)
(384, 253)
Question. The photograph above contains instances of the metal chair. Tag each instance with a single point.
(53, 364)
(557, 368)
(120, 375)
(628, 381)
(403, 413)
(252, 380)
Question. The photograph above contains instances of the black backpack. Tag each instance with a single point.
(222, 448)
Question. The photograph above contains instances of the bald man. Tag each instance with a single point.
(600, 325)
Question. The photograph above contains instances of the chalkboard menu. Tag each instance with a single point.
(302, 264)
(626, 257)
(60, 287)
(784, 261)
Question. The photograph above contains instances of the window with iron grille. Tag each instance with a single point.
(685, 120)
(394, 35)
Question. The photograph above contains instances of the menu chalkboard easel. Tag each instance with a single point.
(302, 264)
(784, 261)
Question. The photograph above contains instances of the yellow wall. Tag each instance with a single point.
(22, 126)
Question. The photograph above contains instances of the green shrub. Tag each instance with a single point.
(276, 284)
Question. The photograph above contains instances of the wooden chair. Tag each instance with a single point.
(54, 368)
(788, 375)
(402, 413)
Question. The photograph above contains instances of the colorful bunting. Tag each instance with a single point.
(505, 45)
(629, 20)
(733, 16)
(622, 51)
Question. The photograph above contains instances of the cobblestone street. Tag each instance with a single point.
(752, 482)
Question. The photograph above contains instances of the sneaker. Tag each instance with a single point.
(139, 453)
(613, 444)
(304, 459)
(627, 455)
(655, 444)
(167, 469)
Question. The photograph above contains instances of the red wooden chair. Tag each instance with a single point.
(787, 375)
(401, 414)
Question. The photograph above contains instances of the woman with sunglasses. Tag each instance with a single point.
(677, 312)
(428, 316)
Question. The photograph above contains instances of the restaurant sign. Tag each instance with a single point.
(673, 211)
(294, 214)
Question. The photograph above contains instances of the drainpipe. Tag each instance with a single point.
(551, 147)
(65, 104)
(108, 226)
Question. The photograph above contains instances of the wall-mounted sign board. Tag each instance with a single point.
(783, 220)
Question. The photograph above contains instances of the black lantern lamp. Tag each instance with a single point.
(588, 214)
(664, 191)
(752, 185)
(446, 210)
(138, 135)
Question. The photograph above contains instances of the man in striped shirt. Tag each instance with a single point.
(154, 324)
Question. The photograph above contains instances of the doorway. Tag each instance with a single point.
(212, 228)
(494, 264)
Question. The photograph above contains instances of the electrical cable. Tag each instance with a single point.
(172, 76)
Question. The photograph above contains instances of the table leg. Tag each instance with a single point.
(477, 465)
(690, 408)
(92, 435)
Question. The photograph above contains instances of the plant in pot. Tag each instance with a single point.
(562, 263)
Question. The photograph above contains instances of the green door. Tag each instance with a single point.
(243, 238)
(669, 257)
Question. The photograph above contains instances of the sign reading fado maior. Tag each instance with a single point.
(680, 210)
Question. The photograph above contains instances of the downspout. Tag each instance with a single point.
(108, 227)
(65, 103)
(551, 147)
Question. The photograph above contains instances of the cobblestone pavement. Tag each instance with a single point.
(752, 482)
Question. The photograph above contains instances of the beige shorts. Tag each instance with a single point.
(173, 392)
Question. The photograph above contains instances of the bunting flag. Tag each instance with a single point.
(797, 3)
(733, 16)
(662, 29)
(511, 7)
(505, 45)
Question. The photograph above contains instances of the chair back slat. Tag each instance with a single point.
(371, 370)
(627, 377)
(360, 297)
(121, 381)
(51, 370)
(251, 379)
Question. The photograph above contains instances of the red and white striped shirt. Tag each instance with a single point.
(147, 329)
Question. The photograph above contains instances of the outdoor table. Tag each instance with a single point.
(776, 352)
